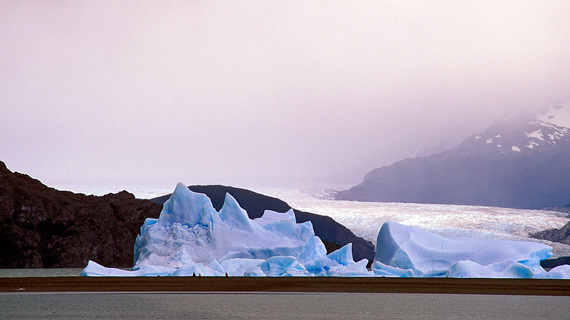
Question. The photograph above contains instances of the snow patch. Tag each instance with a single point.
(531, 145)
(535, 134)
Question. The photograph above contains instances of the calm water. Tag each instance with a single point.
(278, 306)
(55, 272)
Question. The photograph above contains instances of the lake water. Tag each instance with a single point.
(278, 306)
(54, 272)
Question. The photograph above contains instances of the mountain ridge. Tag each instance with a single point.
(517, 162)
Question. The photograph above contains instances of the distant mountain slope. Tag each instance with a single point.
(516, 162)
(333, 234)
(557, 235)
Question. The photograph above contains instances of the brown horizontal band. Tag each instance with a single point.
(288, 284)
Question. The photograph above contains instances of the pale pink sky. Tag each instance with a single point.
(263, 91)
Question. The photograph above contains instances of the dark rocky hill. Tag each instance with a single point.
(557, 235)
(41, 227)
(516, 163)
(561, 235)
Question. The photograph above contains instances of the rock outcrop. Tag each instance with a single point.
(561, 235)
(41, 227)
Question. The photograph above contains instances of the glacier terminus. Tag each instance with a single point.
(191, 238)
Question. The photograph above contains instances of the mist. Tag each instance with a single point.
(273, 92)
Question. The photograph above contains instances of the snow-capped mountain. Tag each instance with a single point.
(548, 132)
(519, 162)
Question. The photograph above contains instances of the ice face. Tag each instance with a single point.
(184, 208)
(190, 237)
(505, 269)
(408, 251)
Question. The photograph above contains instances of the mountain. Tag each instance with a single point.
(518, 162)
(41, 227)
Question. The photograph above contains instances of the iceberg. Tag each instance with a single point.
(505, 269)
(408, 251)
(559, 272)
(191, 238)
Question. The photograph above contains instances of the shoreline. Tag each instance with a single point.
(539, 287)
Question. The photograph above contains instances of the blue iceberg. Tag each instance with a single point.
(559, 272)
(404, 251)
(191, 238)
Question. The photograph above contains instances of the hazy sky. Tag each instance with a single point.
(236, 92)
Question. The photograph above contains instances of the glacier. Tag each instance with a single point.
(191, 238)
